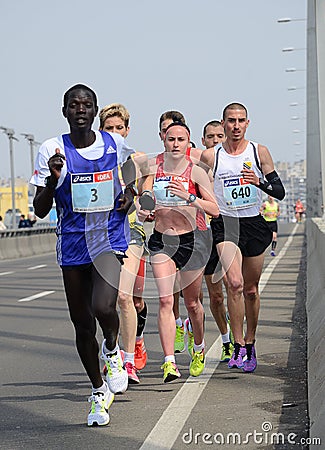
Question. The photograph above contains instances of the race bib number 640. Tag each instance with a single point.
(238, 193)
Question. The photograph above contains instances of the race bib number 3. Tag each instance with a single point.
(163, 196)
(238, 193)
(92, 192)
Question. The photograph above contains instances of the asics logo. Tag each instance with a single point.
(231, 182)
(166, 178)
(81, 178)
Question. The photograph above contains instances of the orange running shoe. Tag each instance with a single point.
(140, 354)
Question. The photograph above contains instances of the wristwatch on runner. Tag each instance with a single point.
(191, 199)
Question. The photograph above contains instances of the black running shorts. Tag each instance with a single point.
(273, 225)
(189, 251)
(251, 234)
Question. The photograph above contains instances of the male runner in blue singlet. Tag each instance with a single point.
(79, 171)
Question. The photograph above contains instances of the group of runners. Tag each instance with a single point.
(205, 208)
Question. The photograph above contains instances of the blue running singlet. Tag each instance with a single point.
(86, 202)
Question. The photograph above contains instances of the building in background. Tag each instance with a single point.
(293, 176)
(21, 196)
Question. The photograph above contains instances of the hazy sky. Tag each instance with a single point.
(193, 56)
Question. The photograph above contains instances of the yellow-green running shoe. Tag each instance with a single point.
(190, 337)
(179, 344)
(100, 403)
(197, 363)
(171, 371)
(227, 351)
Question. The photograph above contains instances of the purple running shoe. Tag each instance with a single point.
(237, 357)
(250, 362)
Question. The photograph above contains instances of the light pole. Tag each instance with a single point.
(10, 133)
(293, 69)
(30, 138)
(295, 88)
(293, 49)
(288, 19)
(297, 118)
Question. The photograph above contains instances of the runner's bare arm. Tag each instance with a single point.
(207, 159)
(44, 196)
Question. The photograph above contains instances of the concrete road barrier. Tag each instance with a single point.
(16, 244)
(315, 323)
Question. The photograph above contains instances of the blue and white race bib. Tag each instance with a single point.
(238, 193)
(163, 195)
(92, 192)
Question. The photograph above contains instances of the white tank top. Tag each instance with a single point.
(235, 197)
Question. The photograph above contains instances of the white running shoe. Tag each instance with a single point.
(100, 403)
(116, 376)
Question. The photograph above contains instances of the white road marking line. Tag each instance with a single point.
(5, 273)
(34, 297)
(37, 267)
(173, 419)
(175, 415)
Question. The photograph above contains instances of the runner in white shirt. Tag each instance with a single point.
(240, 232)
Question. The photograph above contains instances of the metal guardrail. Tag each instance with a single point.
(26, 232)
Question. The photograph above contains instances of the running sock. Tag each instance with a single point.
(103, 388)
(170, 358)
(142, 318)
(225, 338)
(129, 357)
(274, 244)
(198, 348)
(179, 322)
